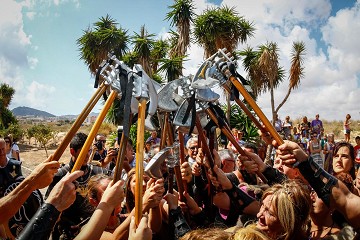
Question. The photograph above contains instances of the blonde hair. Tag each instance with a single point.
(291, 202)
(207, 233)
(250, 232)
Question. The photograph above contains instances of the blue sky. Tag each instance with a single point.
(40, 59)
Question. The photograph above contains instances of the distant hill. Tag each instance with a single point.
(27, 111)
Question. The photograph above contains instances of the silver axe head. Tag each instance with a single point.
(168, 99)
(144, 88)
(110, 73)
(202, 79)
(153, 168)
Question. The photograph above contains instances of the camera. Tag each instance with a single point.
(99, 145)
(116, 151)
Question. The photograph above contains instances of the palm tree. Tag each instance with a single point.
(143, 44)
(172, 67)
(6, 94)
(181, 15)
(159, 51)
(296, 70)
(219, 28)
(266, 74)
(6, 116)
(95, 44)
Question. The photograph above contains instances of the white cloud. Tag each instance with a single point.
(32, 62)
(37, 95)
(31, 15)
(331, 73)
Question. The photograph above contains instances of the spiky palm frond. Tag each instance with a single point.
(221, 28)
(6, 94)
(171, 67)
(159, 51)
(143, 44)
(296, 69)
(95, 44)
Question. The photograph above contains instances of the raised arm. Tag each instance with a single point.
(332, 191)
(113, 195)
(60, 198)
(39, 178)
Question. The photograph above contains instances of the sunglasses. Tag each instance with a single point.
(103, 141)
(7, 141)
(193, 147)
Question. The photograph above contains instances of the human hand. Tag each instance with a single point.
(290, 152)
(252, 162)
(153, 194)
(186, 172)
(44, 173)
(200, 157)
(172, 199)
(113, 194)
(143, 231)
(196, 169)
(64, 192)
(111, 153)
(220, 179)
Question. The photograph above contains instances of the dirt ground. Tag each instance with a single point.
(31, 155)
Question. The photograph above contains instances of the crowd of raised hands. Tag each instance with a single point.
(284, 209)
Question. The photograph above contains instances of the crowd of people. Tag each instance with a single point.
(310, 190)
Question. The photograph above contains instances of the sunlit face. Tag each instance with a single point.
(7, 145)
(133, 183)
(153, 134)
(148, 146)
(268, 221)
(193, 150)
(318, 206)
(129, 155)
(2, 153)
(342, 162)
(101, 139)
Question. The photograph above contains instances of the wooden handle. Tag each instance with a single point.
(226, 130)
(139, 168)
(256, 109)
(85, 149)
(79, 120)
(182, 155)
(246, 110)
